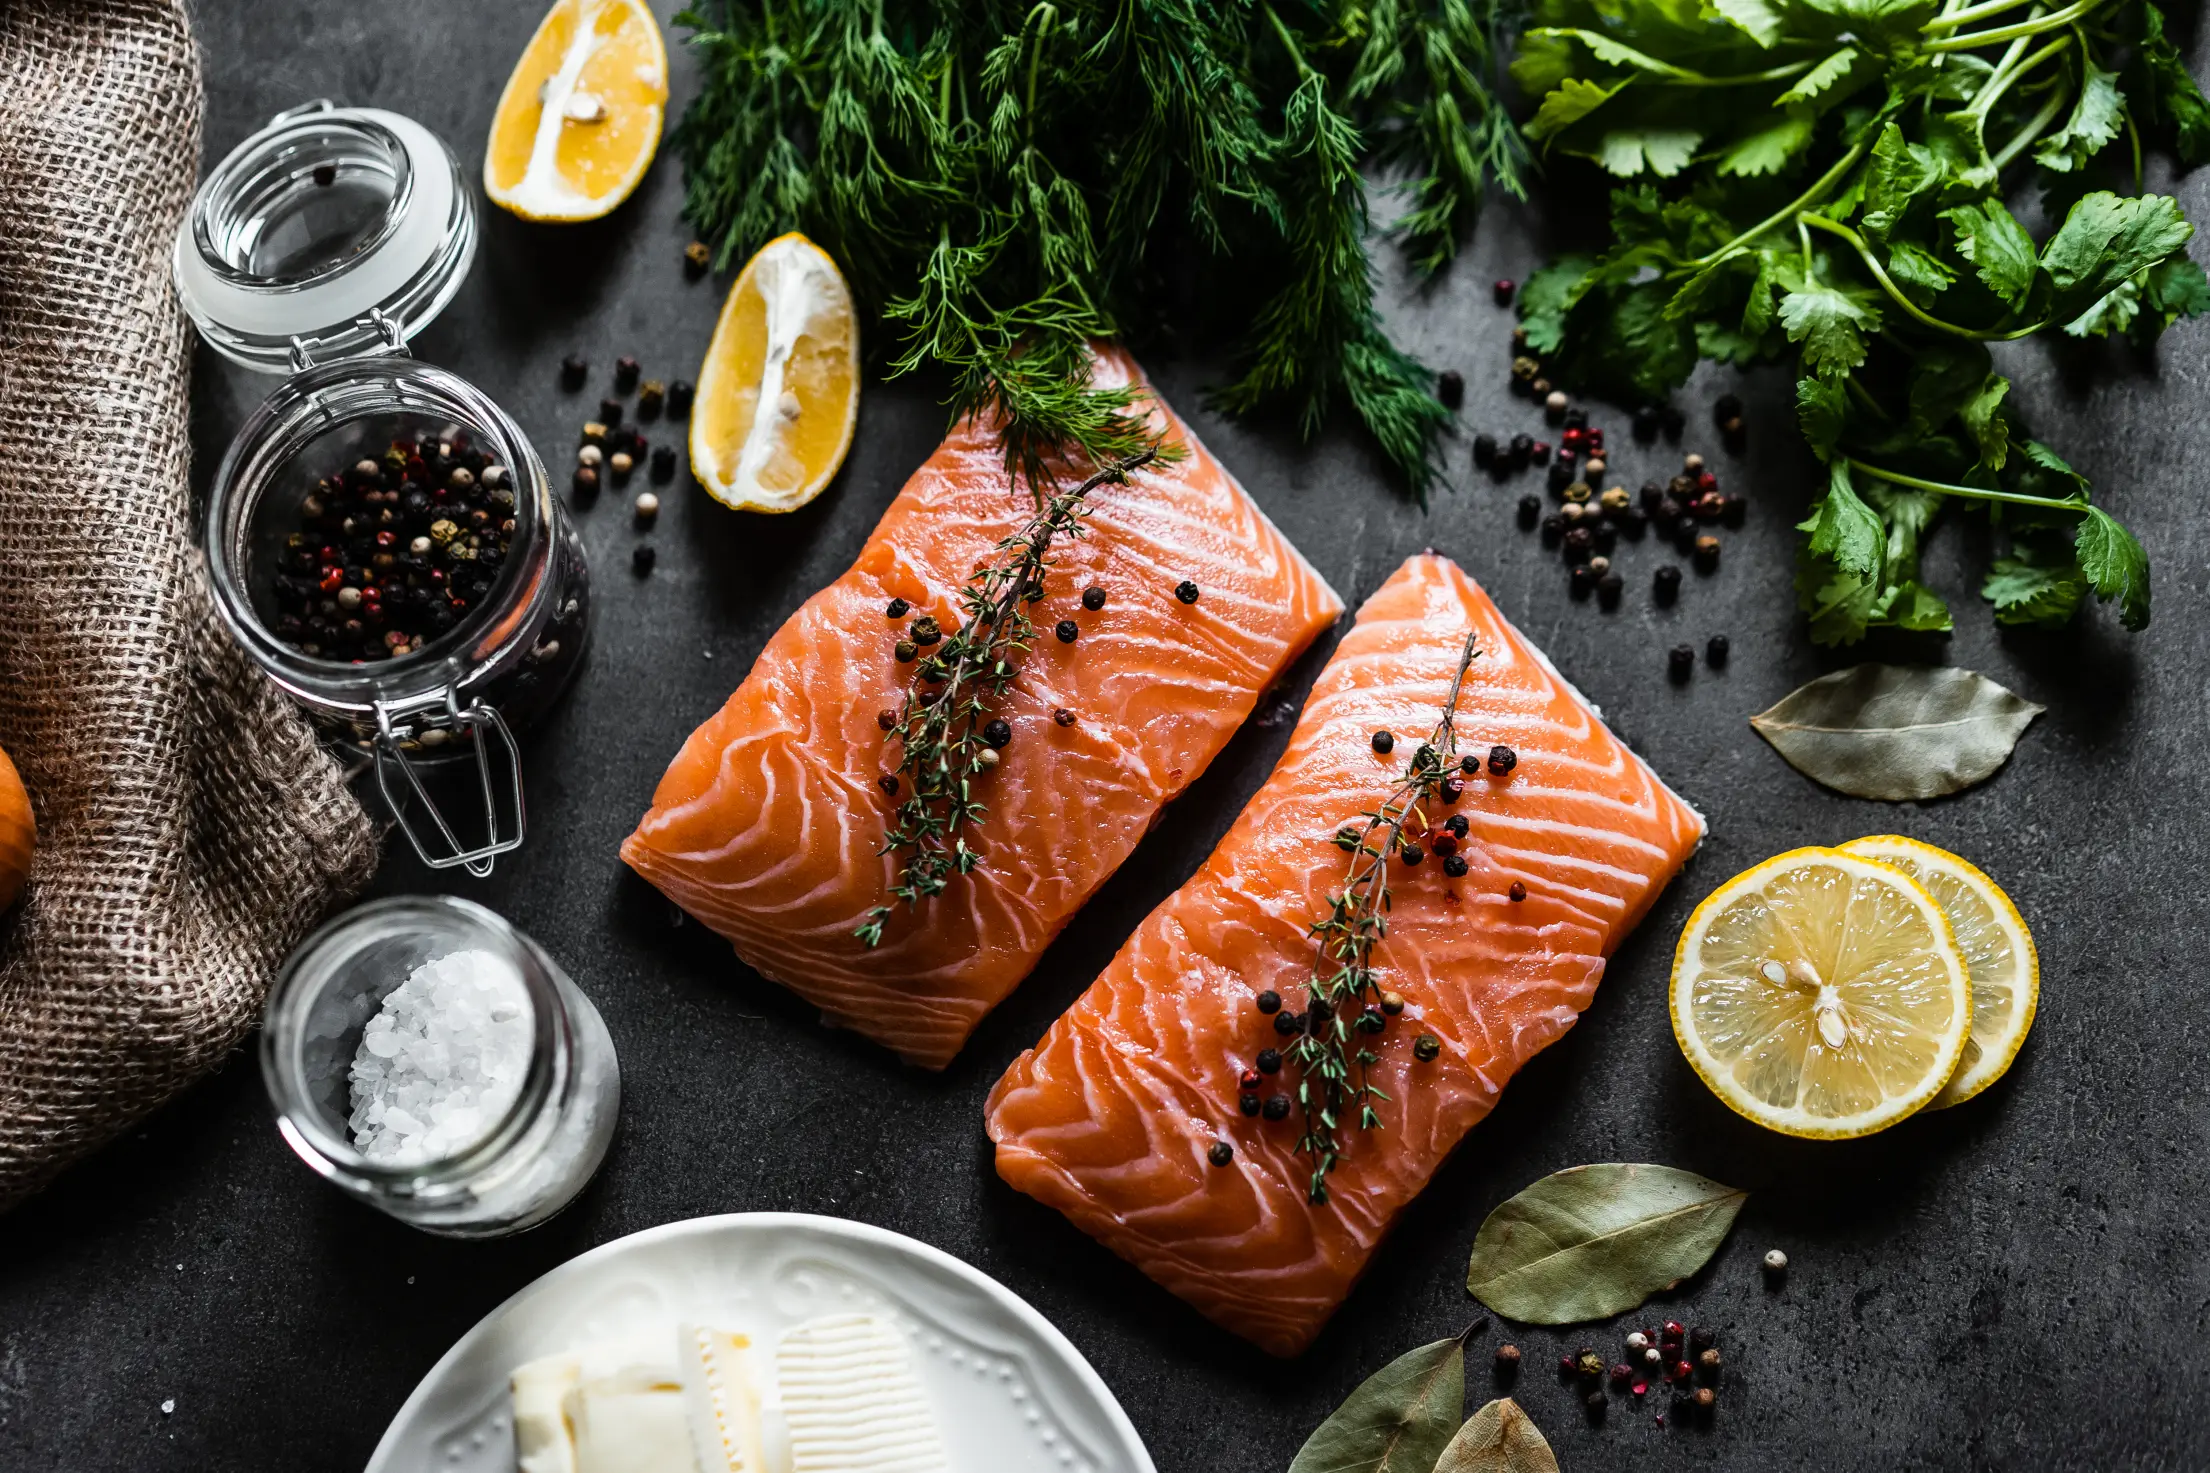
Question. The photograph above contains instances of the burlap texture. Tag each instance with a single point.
(190, 829)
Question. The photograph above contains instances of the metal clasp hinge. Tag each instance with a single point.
(395, 339)
(480, 720)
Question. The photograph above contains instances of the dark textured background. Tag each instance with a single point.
(2016, 1284)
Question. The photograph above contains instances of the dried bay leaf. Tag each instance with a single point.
(1590, 1242)
(1897, 732)
(1399, 1420)
(1500, 1438)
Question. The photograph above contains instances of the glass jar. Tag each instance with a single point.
(317, 248)
(528, 1163)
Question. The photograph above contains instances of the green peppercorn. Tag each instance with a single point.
(906, 651)
(1425, 1048)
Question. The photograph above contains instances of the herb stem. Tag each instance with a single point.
(1895, 293)
(2040, 120)
(1780, 216)
(2055, 21)
(2006, 76)
(1950, 20)
(1975, 493)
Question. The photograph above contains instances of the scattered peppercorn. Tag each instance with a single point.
(1269, 1001)
(663, 463)
(1450, 387)
(1220, 1154)
(1553, 530)
(1726, 407)
(1553, 400)
(1286, 1023)
(625, 373)
(1621, 1374)
(1249, 1079)
(1502, 760)
(1455, 866)
(1426, 1047)
(1674, 1330)
(679, 398)
(1517, 893)
(1502, 291)
(1269, 1061)
(887, 719)
(1667, 584)
(646, 507)
(1277, 1107)
(1708, 1361)
(696, 258)
(1093, 597)
(1637, 1341)
(1522, 450)
(1067, 631)
(1063, 716)
(621, 464)
(888, 782)
(998, 732)
(1609, 589)
(926, 631)
(1186, 591)
(1589, 1364)
(1384, 742)
(897, 608)
(1411, 854)
(585, 481)
(906, 651)
(1707, 554)
(1706, 1398)
(1247, 1103)
(1530, 512)
(1507, 1359)
(1565, 1365)
(1776, 1262)
(652, 397)
(1484, 450)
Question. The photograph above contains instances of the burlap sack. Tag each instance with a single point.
(190, 829)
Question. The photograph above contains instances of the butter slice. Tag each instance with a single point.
(542, 1441)
(724, 1399)
(853, 1400)
(634, 1421)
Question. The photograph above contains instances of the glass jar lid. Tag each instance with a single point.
(331, 233)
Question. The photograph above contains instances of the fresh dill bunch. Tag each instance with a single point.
(1009, 184)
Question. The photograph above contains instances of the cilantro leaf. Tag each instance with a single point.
(1663, 151)
(1843, 529)
(1757, 312)
(1573, 100)
(2176, 288)
(2115, 566)
(1768, 145)
(1943, 377)
(2035, 586)
(1916, 266)
(2049, 460)
(1758, 19)
(1900, 172)
(1830, 325)
(1820, 409)
(1998, 247)
(2106, 238)
(1546, 298)
(1908, 512)
(2174, 100)
(2094, 122)
(1820, 77)
(1912, 605)
(1840, 605)
(1983, 417)
(2114, 313)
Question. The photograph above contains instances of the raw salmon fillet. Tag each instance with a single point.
(1110, 1117)
(768, 824)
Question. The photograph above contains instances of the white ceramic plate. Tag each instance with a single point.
(1011, 1395)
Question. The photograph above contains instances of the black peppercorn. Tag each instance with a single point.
(1426, 1047)
(906, 651)
(888, 782)
(641, 561)
(1540, 453)
(1269, 1001)
(663, 463)
(1484, 450)
(1576, 419)
(1067, 631)
(1411, 854)
(1220, 1154)
(1502, 291)
(1530, 512)
(1606, 537)
(1247, 1103)
(1522, 448)
(1277, 1107)
(1455, 866)
(1667, 584)
(610, 413)
(679, 397)
(1502, 760)
(1469, 765)
(1063, 717)
(1562, 473)
(1726, 407)
(1269, 1061)
(573, 370)
(1450, 387)
(1384, 742)
(1715, 651)
(1457, 825)
(1580, 543)
(1093, 597)
(1186, 591)
(1286, 1023)
(998, 732)
(1699, 1339)
(926, 631)
(1735, 513)
(1609, 588)
(625, 373)
(1672, 422)
(1681, 663)
(897, 608)
(1451, 790)
(1646, 423)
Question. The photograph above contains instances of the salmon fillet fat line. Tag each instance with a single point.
(768, 825)
(1111, 1117)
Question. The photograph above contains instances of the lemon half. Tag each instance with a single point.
(580, 118)
(1821, 994)
(779, 393)
(1998, 950)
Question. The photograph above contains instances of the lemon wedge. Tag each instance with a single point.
(1998, 950)
(1821, 994)
(779, 393)
(580, 118)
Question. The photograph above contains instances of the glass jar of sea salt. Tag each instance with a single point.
(433, 1061)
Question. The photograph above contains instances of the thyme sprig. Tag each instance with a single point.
(1335, 1071)
(942, 725)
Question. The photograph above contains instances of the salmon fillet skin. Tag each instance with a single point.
(1111, 1117)
(768, 825)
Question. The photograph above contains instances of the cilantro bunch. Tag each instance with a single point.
(1832, 179)
(1007, 182)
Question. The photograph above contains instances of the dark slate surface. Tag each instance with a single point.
(2016, 1284)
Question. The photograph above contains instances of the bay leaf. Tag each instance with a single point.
(1590, 1242)
(1897, 732)
(1500, 1438)
(1399, 1420)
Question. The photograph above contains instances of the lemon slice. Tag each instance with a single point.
(779, 394)
(580, 117)
(1821, 994)
(1998, 950)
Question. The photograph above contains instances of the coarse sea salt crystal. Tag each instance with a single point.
(441, 1062)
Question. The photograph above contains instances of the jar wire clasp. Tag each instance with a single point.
(395, 339)
(477, 719)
